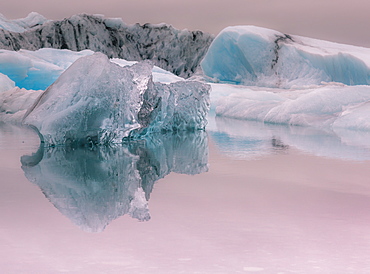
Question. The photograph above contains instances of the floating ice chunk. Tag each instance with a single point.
(257, 56)
(325, 106)
(97, 101)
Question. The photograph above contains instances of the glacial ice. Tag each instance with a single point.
(97, 101)
(36, 70)
(15, 102)
(330, 106)
(94, 186)
(32, 20)
(284, 79)
(5, 83)
(178, 51)
(257, 56)
(272, 97)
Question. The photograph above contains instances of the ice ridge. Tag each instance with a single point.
(178, 51)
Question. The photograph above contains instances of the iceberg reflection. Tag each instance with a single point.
(93, 186)
(252, 139)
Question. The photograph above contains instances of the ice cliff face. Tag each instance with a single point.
(96, 101)
(177, 51)
(92, 187)
(262, 57)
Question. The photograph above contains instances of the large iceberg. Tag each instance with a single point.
(97, 101)
(257, 56)
(178, 51)
(25, 74)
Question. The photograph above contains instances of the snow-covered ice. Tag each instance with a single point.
(329, 106)
(257, 56)
(97, 101)
(32, 20)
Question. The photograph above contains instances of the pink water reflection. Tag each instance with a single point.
(280, 213)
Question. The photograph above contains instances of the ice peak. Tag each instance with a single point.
(33, 19)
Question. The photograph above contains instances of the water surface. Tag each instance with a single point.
(242, 197)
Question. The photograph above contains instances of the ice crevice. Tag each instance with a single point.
(278, 47)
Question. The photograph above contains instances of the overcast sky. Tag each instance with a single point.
(345, 21)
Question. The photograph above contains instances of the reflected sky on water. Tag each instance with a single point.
(242, 197)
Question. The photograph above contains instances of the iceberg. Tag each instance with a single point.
(326, 106)
(257, 56)
(98, 102)
(93, 186)
(177, 51)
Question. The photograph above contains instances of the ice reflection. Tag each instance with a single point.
(93, 186)
(251, 139)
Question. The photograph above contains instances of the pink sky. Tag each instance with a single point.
(335, 20)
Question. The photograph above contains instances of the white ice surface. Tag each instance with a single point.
(5, 83)
(15, 102)
(262, 57)
(21, 25)
(330, 106)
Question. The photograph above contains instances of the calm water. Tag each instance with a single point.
(243, 197)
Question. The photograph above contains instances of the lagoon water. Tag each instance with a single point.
(242, 197)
